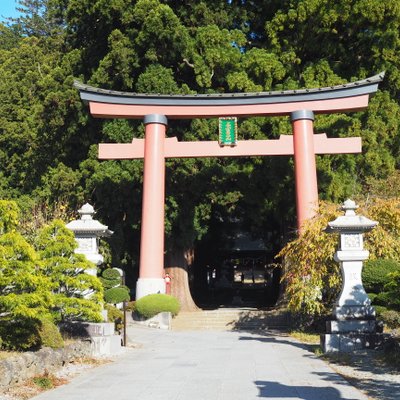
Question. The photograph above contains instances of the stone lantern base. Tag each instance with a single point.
(350, 335)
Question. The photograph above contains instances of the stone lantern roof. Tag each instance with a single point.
(88, 225)
(350, 221)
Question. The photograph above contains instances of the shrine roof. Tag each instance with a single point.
(358, 88)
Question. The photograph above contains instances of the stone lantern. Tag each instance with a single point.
(87, 232)
(353, 325)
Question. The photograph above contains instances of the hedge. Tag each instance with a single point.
(375, 274)
(152, 304)
(116, 295)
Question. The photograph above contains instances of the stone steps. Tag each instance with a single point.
(231, 319)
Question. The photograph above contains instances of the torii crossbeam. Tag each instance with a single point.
(155, 110)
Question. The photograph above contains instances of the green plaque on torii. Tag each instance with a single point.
(227, 131)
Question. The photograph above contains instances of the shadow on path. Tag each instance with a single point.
(273, 338)
(269, 389)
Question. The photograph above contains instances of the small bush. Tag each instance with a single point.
(110, 278)
(116, 295)
(382, 300)
(111, 273)
(49, 334)
(379, 310)
(375, 274)
(114, 315)
(20, 335)
(391, 319)
(30, 334)
(152, 304)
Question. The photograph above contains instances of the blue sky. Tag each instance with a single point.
(7, 9)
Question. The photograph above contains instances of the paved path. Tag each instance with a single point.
(205, 365)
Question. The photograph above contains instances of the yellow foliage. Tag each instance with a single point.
(311, 275)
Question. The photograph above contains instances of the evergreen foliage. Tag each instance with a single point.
(49, 335)
(24, 291)
(116, 295)
(20, 334)
(114, 292)
(390, 297)
(375, 274)
(153, 304)
(77, 295)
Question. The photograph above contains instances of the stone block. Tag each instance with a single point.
(106, 345)
(355, 326)
(99, 329)
(348, 342)
(87, 329)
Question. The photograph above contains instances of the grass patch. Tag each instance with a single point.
(304, 337)
(43, 382)
(47, 381)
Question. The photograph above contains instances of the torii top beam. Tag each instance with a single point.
(114, 104)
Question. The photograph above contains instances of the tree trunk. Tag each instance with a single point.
(178, 271)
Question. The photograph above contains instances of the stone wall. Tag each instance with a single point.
(14, 370)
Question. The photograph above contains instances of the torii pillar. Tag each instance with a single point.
(152, 234)
(304, 166)
(300, 105)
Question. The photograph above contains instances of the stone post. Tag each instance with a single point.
(353, 325)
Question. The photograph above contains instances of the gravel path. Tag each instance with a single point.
(365, 370)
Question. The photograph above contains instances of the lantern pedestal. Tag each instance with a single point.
(145, 286)
(353, 325)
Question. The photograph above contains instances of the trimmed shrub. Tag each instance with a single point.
(110, 278)
(152, 304)
(115, 292)
(49, 334)
(375, 274)
(116, 295)
(112, 274)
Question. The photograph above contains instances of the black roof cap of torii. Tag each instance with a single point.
(357, 88)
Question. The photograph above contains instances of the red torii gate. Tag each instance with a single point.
(155, 110)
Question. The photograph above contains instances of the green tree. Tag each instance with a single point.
(25, 294)
(77, 295)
